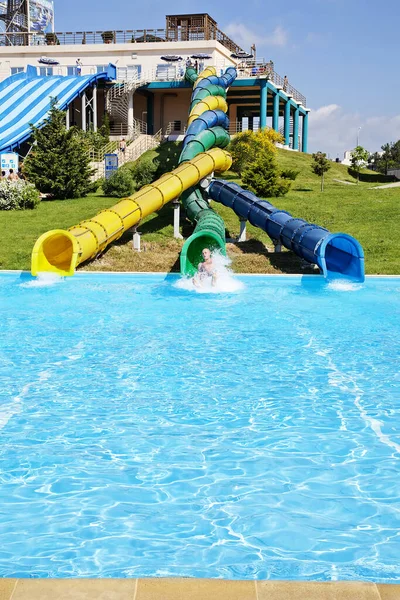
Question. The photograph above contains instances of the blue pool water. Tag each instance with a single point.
(147, 430)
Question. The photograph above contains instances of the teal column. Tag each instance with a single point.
(150, 114)
(296, 128)
(275, 113)
(304, 136)
(286, 130)
(263, 103)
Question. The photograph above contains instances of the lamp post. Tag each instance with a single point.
(358, 135)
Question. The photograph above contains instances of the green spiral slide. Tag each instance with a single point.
(208, 124)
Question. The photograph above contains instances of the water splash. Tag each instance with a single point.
(225, 280)
(344, 285)
(43, 280)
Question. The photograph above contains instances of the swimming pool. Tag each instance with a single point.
(148, 431)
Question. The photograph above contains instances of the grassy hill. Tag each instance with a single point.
(370, 215)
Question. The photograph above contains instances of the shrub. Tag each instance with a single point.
(262, 177)
(246, 146)
(18, 195)
(289, 174)
(119, 185)
(144, 171)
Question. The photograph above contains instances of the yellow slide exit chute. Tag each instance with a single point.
(61, 251)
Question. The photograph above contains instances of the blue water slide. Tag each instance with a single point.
(224, 81)
(25, 99)
(338, 255)
(209, 118)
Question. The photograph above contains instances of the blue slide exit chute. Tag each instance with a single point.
(338, 255)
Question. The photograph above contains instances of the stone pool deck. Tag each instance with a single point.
(191, 589)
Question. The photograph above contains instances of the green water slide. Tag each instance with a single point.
(207, 130)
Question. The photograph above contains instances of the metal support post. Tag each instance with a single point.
(130, 115)
(304, 146)
(242, 234)
(83, 112)
(296, 129)
(286, 125)
(263, 103)
(277, 246)
(94, 107)
(275, 114)
(177, 212)
(136, 239)
(67, 118)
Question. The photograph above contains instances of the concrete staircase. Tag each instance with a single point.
(119, 99)
(135, 148)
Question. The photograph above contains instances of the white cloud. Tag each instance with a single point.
(333, 130)
(279, 37)
(245, 37)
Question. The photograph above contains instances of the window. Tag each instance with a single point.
(45, 71)
(101, 68)
(15, 70)
(129, 72)
(166, 72)
(71, 71)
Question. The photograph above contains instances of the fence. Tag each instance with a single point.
(117, 36)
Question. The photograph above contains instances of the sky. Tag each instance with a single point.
(343, 55)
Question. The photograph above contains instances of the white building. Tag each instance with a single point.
(151, 89)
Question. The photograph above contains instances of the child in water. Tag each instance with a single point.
(205, 270)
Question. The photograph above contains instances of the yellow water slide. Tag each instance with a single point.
(61, 251)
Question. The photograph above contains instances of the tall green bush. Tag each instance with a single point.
(263, 177)
(144, 171)
(246, 146)
(58, 163)
(119, 185)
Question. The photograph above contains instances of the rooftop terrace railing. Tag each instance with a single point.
(261, 68)
(190, 34)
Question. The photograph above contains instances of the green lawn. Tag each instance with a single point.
(20, 229)
(372, 216)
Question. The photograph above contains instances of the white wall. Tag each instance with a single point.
(147, 55)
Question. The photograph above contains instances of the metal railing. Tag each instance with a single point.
(136, 146)
(129, 132)
(118, 36)
(261, 68)
(175, 128)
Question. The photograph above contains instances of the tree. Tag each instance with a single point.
(383, 164)
(246, 146)
(262, 177)
(320, 166)
(58, 164)
(359, 158)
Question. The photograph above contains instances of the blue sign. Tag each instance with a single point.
(110, 164)
(9, 160)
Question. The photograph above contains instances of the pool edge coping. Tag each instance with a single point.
(178, 588)
(168, 273)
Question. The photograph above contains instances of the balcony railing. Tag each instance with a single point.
(174, 72)
(117, 36)
(261, 68)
